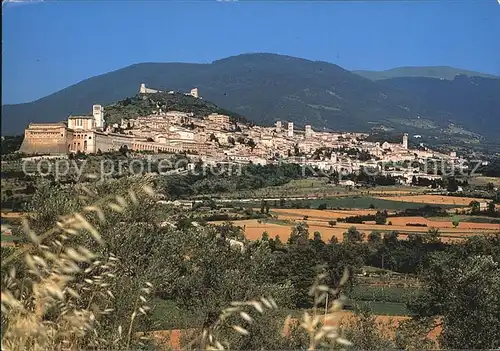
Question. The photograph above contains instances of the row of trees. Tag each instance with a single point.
(380, 217)
(476, 209)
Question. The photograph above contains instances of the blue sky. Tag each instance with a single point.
(48, 46)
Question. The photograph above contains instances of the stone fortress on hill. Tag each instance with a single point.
(144, 90)
(216, 138)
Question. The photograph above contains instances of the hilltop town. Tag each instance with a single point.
(288, 177)
(216, 137)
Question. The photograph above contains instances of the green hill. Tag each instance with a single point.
(472, 102)
(146, 104)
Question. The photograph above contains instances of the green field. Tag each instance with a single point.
(465, 218)
(276, 221)
(383, 308)
(482, 181)
(316, 187)
(364, 202)
(382, 300)
(166, 314)
(347, 202)
(391, 294)
(9, 238)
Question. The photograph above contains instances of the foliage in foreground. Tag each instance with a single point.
(63, 295)
(464, 290)
(66, 296)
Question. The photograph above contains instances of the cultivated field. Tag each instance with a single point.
(253, 229)
(482, 181)
(329, 214)
(318, 220)
(434, 199)
(314, 187)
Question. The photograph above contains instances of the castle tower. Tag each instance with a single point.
(98, 113)
(290, 129)
(278, 126)
(194, 92)
(308, 131)
(405, 141)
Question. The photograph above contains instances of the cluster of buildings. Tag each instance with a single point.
(216, 138)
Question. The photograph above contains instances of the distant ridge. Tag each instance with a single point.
(441, 72)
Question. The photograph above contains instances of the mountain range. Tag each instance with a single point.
(265, 88)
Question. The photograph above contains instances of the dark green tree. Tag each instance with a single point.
(353, 235)
(475, 206)
(375, 237)
(251, 144)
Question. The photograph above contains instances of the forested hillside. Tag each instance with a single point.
(472, 102)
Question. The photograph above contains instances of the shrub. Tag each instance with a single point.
(416, 225)
(380, 217)
(67, 300)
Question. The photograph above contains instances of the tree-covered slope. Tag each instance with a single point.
(146, 104)
(261, 87)
(472, 102)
